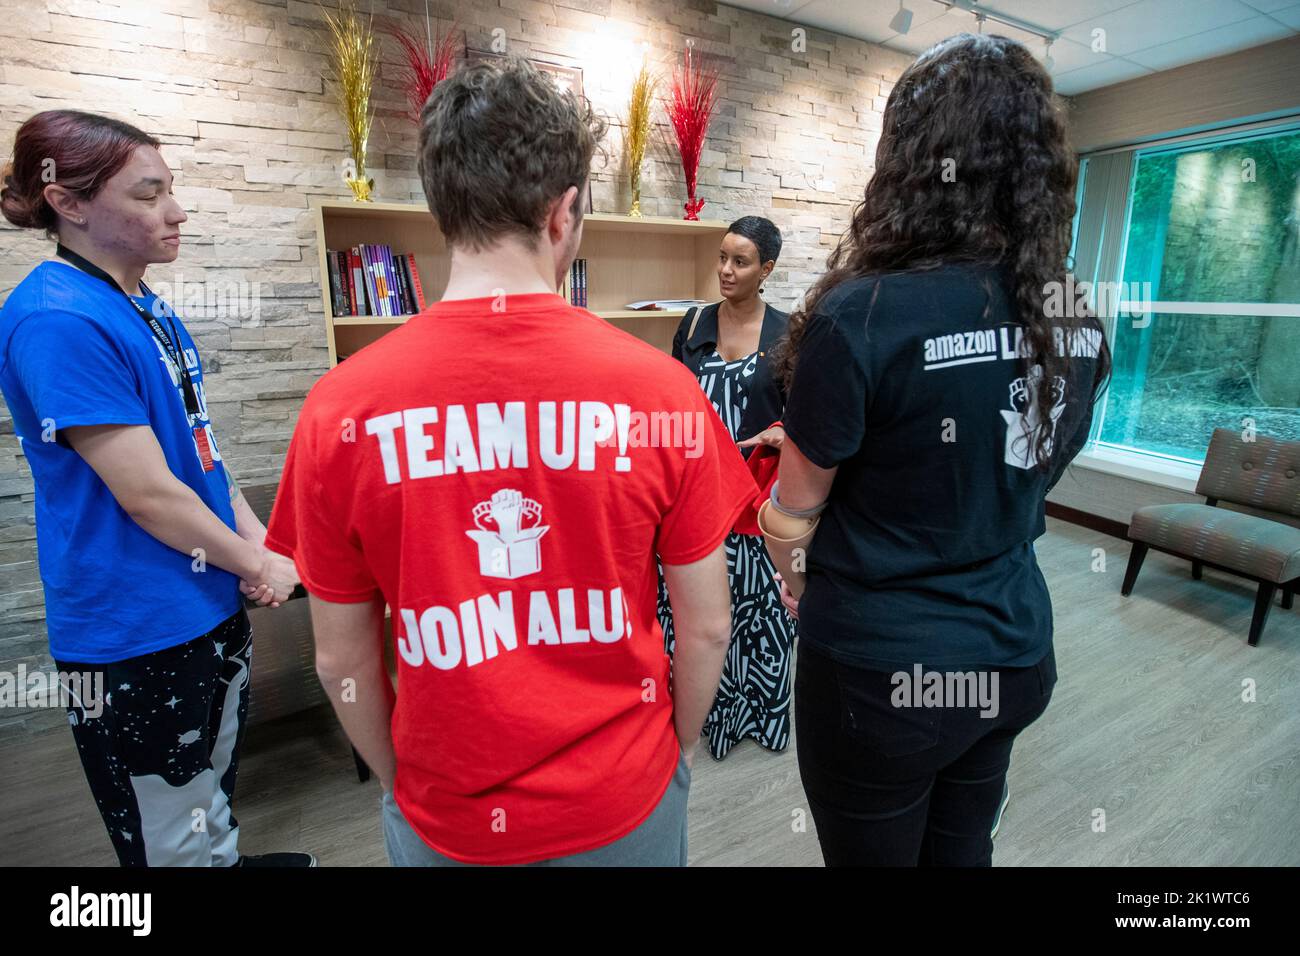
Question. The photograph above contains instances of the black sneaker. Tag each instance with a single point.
(277, 859)
(1006, 798)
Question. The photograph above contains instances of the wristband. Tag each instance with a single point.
(812, 512)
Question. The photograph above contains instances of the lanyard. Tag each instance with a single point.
(172, 348)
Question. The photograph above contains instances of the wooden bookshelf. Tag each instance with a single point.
(628, 260)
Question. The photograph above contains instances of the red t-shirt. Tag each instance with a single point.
(502, 472)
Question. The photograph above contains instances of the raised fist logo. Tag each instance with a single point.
(509, 533)
(1024, 421)
(1021, 400)
(508, 513)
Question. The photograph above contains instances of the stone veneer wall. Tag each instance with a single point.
(235, 90)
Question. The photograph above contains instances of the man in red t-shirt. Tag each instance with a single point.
(501, 472)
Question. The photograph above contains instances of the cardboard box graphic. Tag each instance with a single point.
(498, 558)
(509, 535)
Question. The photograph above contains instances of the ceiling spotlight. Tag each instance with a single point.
(1048, 62)
(979, 22)
(902, 21)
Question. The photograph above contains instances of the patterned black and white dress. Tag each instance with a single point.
(753, 698)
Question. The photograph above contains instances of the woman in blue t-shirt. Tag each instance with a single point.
(144, 539)
(936, 394)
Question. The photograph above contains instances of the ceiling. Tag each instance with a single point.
(1141, 36)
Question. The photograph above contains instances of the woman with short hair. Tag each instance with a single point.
(727, 345)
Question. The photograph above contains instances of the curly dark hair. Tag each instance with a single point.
(973, 165)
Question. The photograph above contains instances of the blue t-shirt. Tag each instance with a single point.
(74, 352)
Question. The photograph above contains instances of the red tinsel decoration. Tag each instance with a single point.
(690, 108)
(423, 66)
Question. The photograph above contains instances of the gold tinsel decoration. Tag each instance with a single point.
(638, 130)
(353, 63)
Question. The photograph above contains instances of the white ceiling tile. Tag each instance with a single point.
(1031, 40)
(1139, 25)
(866, 20)
(1289, 16)
(1101, 74)
(1268, 6)
(773, 8)
(1169, 31)
(1235, 36)
(1055, 14)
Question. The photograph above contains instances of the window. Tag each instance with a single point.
(1211, 248)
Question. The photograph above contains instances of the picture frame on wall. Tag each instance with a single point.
(566, 77)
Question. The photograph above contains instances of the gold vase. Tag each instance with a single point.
(360, 184)
(636, 192)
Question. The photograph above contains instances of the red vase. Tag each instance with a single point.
(693, 207)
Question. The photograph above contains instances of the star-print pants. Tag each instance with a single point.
(162, 755)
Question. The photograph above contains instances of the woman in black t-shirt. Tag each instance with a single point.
(936, 394)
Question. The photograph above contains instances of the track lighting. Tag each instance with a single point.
(902, 21)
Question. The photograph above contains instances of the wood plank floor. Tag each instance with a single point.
(1147, 724)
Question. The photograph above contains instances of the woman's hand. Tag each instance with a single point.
(773, 436)
(276, 581)
(790, 602)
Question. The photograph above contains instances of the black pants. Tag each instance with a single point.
(906, 785)
(162, 756)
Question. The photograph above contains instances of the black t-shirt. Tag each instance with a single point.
(911, 384)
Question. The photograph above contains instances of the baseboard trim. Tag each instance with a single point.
(1116, 529)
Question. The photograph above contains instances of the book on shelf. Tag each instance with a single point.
(409, 304)
(384, 294)
(377, 297)
(414, 272)
(371, 279)
(358, 301)
(336, 282)
(345, 282)
(390, 278)
(400, 276)
(368, 281)
(578, 283)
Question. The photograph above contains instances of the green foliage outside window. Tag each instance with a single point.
(1210, 224)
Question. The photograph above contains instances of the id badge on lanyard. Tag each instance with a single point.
(205, 449)
(174, 351)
